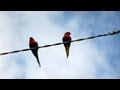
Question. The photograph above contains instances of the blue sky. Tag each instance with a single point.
(91, 59)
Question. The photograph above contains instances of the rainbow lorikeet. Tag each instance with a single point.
(34, 44)
(67, 38)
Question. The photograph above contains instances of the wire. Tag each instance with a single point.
(55, 44)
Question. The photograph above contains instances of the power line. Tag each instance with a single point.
(55, 44)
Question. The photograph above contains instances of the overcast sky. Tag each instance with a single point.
(90, 59)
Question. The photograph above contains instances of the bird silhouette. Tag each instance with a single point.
(34, 44)
(67, 38)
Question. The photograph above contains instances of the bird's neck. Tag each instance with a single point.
(32, 41)
(67, 36)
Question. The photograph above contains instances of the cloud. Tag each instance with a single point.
(56, 65)
(88, 59)
(8, 37)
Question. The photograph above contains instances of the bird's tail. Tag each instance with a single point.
(38, 60)
(67, 50)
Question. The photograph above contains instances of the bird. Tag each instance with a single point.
(34, 44)
(67, 38)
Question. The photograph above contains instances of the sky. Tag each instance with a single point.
(91, 59)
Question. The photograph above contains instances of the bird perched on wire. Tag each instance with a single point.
(34, 44)
(67, 38)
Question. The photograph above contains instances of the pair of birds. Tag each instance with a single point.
(34, 45)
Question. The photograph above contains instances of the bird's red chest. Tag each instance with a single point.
(32, 42)
(67, 36)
